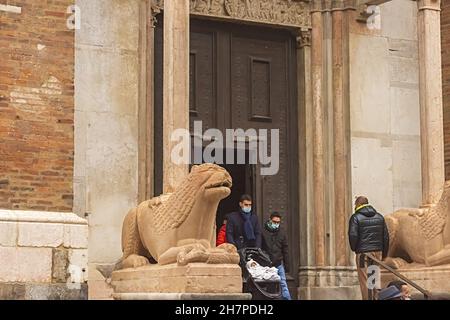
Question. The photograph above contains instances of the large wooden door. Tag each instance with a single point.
(244, 77)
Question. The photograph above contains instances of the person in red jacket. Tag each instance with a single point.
(222, 236)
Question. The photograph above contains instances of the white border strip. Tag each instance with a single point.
(8, 8)
(41, 216)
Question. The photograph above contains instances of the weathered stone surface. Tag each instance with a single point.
(8, 234)
(404, 48)
(60, 264)
(330, 293)
(182, 296)
(41, 217)
(78, 262)
(109, 31)
(106, 128)
(99, 287)
(100, 290)
(175, 87)
(40, 234)
(403, 70)
(25, 264)
(369, 99)
(406, 173)
(12, 291)
(374, 169)
(445, 42)
(75, 236)
(399, 26)
(193, 278)
(55, 292)
(327, 277)
(384, 109)
(431, 102)
(405, 112)
(436, 279)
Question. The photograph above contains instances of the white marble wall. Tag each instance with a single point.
(106, 121)
(30, 241)
(384, 102)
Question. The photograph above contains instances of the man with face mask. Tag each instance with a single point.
(243, 228)
(275, 243)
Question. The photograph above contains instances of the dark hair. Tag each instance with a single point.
(275, 214)
(398, 284)
(245, 197)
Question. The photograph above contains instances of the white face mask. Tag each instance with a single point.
(247, 209)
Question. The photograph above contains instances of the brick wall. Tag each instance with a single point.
(36, 106)
(445, 30)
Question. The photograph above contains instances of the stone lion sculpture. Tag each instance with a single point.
(420, 236)
(179, 227)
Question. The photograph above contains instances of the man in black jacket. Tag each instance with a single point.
(367, 233)
(275, 243)
(243, 229)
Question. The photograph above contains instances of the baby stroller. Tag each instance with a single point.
(259, 289)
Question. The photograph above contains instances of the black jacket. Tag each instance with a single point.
(368, 232)
(275, 243)
(235, 231)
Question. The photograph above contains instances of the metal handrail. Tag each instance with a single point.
(426, 294)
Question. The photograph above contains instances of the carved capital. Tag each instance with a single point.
(341, 5)
(155, 7)
(304, 38)
(363, 7)
(317, 5)
(434, 5)
(363, 13)
(338, 5)
(333, 5)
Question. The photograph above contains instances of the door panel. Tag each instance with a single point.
(202, 102)
(244, 77)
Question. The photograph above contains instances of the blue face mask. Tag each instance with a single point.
(247, 209)
(274, 225)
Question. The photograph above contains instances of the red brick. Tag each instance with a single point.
(36, 126)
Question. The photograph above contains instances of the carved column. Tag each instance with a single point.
(305, 123)
(175, 86)
(430, 81)
(148, 12)
(340, 88)
(318, 134)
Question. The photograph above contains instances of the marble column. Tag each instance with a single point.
(146, 99)
(431, 114)
(340, 89)
(175, 86)
(305, 147)
(318, 134)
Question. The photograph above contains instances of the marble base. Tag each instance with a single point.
(182, 296)
(195, 278)
(328, 283)
(434, 279)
